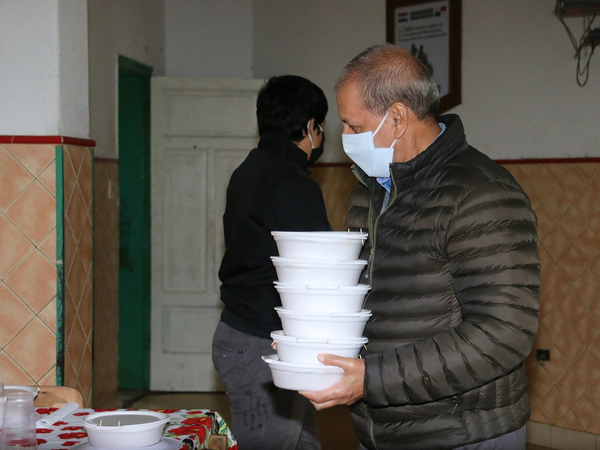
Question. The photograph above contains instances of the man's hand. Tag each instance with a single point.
(344, 392)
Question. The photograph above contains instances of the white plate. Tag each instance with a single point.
(164, 444)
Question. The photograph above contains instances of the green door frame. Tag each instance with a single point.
(134, 224)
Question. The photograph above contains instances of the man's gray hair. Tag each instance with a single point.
(386, 74)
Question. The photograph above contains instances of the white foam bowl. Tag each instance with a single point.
(302, 324)
(125, 429)
(298, 297)
(301, 377)
(322, 245)
(305, 351)
(326, 273)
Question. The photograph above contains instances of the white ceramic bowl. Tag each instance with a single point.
(326, 273)
(322, 245)
(33, 390)
(301, 377)
(302, 324)
(305, 351)
(125, 429)
(298, 297)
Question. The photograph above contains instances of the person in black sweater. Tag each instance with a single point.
(270, 191)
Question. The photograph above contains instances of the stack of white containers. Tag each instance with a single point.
(321, 299)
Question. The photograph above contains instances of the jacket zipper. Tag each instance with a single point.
(374, 227)
(370, 427)
(372, 235)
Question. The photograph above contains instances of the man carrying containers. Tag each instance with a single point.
(453, 268)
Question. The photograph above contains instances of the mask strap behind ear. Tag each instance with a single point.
(382, 121)
(309, 136)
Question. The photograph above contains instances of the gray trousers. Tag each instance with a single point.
(263, 417)
(509, 441)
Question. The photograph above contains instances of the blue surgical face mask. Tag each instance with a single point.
(361, 149)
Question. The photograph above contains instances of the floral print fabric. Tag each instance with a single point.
(192, 427)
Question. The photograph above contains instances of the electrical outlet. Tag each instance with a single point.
(543, 355)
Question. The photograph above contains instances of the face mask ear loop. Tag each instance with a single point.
(382, 121)
(309, 136)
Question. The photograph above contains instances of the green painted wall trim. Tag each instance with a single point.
(60, 268)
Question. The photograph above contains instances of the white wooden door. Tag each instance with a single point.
(202, 129)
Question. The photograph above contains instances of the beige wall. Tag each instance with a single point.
(130, 28)
(315, 39)
(520, 97)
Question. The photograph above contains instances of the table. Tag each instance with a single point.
(192, 427)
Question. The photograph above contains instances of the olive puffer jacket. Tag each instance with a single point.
(454, 269)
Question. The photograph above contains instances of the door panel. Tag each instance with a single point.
(201, 131)
(185, 205)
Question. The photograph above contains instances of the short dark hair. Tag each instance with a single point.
(385, 74)
(286, 103)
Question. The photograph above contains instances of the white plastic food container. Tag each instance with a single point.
(305, 351)
(327, 273)
(125, 429)
(321, 245)
(301, 377)
(302, 324)
(322, 298)
(33, 390)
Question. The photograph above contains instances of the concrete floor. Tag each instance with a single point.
(335, 426)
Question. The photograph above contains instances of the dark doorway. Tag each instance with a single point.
(134, 224)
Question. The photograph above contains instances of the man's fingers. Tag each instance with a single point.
(335, 360)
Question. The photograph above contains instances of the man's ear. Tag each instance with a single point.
(400, 117)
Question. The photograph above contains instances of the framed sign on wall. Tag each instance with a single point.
(432, 31)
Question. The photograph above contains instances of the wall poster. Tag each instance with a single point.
(431, 31)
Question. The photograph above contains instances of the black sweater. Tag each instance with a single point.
(270, 191)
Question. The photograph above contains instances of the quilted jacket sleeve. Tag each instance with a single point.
(491, 246)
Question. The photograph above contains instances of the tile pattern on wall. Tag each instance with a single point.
(106, 280)
(565, 391)
(28, 324)
(337, 184)
(78, 301)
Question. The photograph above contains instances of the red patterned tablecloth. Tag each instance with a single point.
(191, 427)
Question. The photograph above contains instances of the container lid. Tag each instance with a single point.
(362, 313)
(273, 360)
(316, 287)
(317, 262)
(320, 235)
(280, 336)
